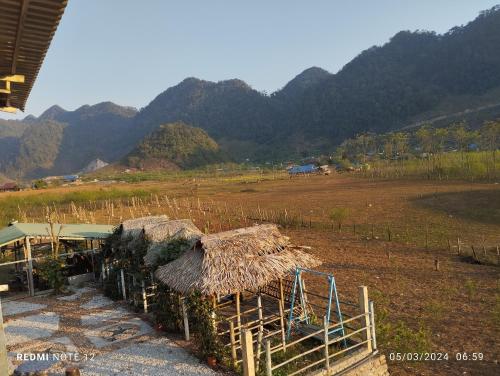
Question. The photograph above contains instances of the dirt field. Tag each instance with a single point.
(391, 237)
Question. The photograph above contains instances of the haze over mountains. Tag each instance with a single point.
(413, 77)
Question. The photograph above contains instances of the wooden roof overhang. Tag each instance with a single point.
(26, 30)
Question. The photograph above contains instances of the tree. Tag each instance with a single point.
(424, 138)
(339, 215)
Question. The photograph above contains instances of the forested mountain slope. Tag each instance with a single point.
(413, 77)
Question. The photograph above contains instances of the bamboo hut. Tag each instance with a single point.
(235, 261)
(223, 266)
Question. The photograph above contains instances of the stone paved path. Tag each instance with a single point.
(88, 330)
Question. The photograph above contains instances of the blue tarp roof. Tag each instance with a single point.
(305, 169)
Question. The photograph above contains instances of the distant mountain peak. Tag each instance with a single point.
(308, 78)
(52, 113)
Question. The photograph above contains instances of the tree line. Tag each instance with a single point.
(456, 150)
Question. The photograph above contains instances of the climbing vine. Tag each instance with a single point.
(168, 313)
(202, 321)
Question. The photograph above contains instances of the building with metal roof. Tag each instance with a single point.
(18, 239)
(305, 169)
(26, 30)
(20, 231)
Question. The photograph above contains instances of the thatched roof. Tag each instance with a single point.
(234, 261)
(162, 233)
(132, 228)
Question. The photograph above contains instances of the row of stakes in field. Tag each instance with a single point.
(139, 206)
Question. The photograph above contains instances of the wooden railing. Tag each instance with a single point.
(304, 354)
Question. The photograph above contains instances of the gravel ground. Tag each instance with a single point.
(78, 292)
(15, 307)
(97, 301)
(98, 318)
(109, 338)
(160, 356)
(31, 327)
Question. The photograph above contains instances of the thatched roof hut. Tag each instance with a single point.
(160, 234)
(132, 228)
(234, 261)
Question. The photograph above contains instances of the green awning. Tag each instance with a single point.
(18, 231)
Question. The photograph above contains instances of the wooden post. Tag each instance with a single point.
(4, 364)
(365, 320)
(474, 253)
(269, 363)
(185, 319)
(31, 285)
(122, 279)
(449, 246)
(426, 235)
(232, 339)
(134, 297)
(103, 272)
(261, 329)
(214, 310)
(144, 296)
(238, 316)
(282, 293)
(436, 264)
(372, 323)
(283, 329)
(326, 340)
(247, 353)
(458, 246)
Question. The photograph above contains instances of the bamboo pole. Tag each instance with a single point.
(372, 323)
(282, 327)
(144, 297)
(269, 364)
(238, 315)
(233, 343)
(247, 353)
(365, 320)
(325, 339)
(261, 330)
(31, 284)
(122, 278)
(185, 319)
(4, 362)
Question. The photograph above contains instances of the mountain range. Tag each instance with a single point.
(414, 77)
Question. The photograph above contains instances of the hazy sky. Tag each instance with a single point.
(128, 51)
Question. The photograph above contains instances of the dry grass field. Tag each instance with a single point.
(391, 236)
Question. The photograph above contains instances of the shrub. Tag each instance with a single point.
(51, 271)
(470, 288)
(398, 336)
(202, 316)
(339, 215)
(167, 310)
(111, 286)
(40, 184)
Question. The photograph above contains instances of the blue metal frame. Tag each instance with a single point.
(332, 294)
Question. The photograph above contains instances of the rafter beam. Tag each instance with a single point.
(17, 78)
(19, 32)
(12, 110)
(7, 88)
